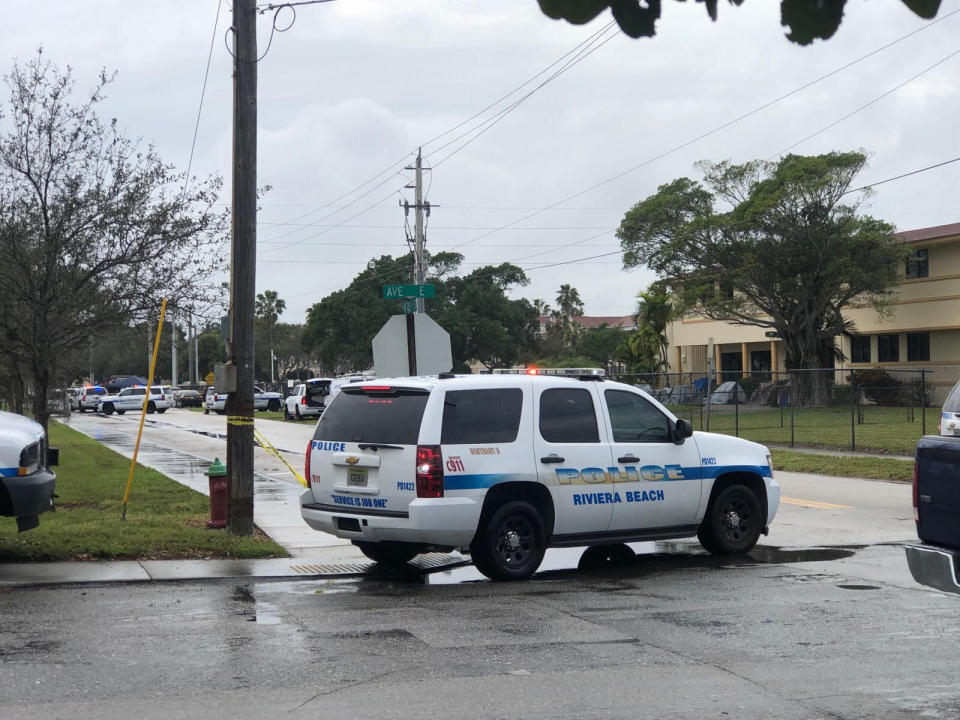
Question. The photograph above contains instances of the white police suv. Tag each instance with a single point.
(27, 481)
(505, 466)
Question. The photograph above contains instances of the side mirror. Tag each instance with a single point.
(684, 430)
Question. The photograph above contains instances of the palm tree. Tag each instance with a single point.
(270, 306)
(656, 311)
(568, 299)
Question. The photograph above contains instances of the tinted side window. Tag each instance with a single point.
(568, 416)
(633, 419)
(390, 418)
(481, 416)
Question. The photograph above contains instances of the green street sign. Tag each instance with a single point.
(398, 292)
(408, 306)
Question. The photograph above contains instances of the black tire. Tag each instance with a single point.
(220, 412)
(273, 405)
(107, 409)
(151, 408)
(732, 524)
(296, 412)
(161, 410)
(390, 554)
(120, 412)
(286, 413)
(206, 411)
(510, 545)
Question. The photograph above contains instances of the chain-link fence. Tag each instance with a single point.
(882, 410)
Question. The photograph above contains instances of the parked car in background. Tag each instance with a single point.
(26, 481)
(187, 398)
(89, 397)
(73, 396)
(308, 399)
(214, 401)
(264, 400)
(131, 398)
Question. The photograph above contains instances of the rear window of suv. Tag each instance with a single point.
(481, 416)
(386, 417)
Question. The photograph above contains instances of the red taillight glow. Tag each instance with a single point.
(916, 493)
(303, 399)
(429, 471)
(306, 464)
(532, 371)
(376, 388)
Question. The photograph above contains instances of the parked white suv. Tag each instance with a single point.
(131, 398)
(308, 399)
(89, 397)
(26, 481)
(505, 466)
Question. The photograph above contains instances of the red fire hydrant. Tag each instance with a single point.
(217, 473)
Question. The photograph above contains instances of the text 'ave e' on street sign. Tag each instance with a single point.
(398, 292)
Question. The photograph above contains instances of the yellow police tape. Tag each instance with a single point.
(240, 420)
(265, 444)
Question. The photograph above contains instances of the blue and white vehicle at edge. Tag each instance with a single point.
(27, 481)
(505, 466)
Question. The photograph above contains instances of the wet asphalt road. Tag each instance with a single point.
(836, 633)
(822, 620)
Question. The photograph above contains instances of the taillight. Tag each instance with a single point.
(303, 399)
(916, 493)
(429, 471)
(306, 464)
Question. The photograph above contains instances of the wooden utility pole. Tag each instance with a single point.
(239, 404)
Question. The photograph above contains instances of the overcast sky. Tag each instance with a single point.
(352, 88)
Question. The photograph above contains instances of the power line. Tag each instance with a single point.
(715, 130)
(875, 100)
(578, 48)
(203, 93)
(908, 174)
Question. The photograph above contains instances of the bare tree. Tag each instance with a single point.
(94, 228)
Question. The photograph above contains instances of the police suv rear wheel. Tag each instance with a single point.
(511, 544)
(390, 554)
(732, 524)
(273, 405)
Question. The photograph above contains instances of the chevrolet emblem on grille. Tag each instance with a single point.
(352, 460)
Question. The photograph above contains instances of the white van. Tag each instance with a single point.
(504, 466)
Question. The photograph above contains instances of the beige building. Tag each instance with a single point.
(922, 331)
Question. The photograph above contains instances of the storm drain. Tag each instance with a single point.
(427, 563)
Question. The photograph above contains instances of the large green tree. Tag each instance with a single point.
(484, 324)
(808, 20)
(94, 228)
(777, 245)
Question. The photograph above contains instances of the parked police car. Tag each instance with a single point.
(26, 480)
(131, 398)
(505, 466)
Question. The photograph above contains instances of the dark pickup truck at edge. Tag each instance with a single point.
(935, 560)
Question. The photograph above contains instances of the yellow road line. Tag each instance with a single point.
(814, 504)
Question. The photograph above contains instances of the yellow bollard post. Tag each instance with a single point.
(143, 412)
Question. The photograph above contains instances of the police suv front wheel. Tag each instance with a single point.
(732, 524)
(511, 544)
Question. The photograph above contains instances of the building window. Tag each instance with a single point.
(918, 264)
(918, 346)
(888, 348)
(860, 348)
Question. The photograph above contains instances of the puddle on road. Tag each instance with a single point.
(649, 557)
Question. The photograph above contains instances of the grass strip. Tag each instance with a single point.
(165, 520)
(875, 468)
